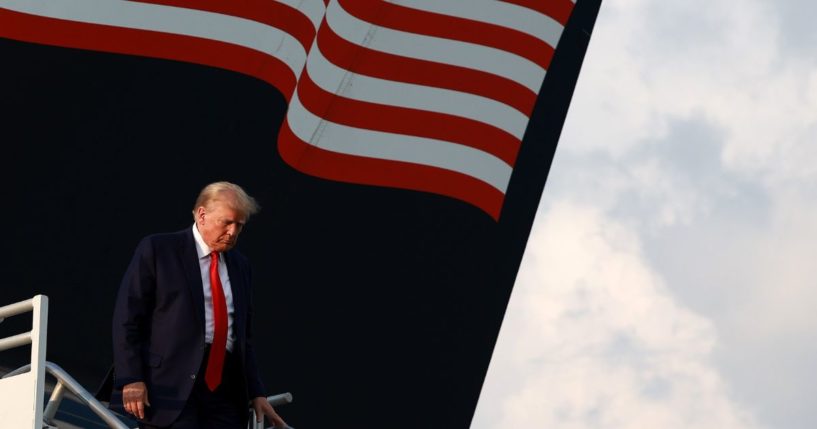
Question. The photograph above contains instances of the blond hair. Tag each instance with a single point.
(230, 193)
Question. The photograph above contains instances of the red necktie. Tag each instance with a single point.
(215, 362)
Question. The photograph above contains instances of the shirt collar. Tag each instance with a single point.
(202, 249)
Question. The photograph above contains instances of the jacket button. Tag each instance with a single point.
(192, 376)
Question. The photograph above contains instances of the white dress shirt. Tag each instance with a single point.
(203, 251)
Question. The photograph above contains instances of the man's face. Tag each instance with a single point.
(219, 225)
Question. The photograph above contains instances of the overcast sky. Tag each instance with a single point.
(670, 280)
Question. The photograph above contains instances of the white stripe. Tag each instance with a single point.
(469, 55)
(506, 15)
(396, 147)
(336, 80)
(313, 9)
(174, 20)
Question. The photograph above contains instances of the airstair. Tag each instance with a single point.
(22, 391)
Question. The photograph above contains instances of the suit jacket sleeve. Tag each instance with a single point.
(132, 314)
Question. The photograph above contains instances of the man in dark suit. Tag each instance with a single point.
(183, 355)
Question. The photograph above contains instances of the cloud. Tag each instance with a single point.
(685, 189)
(754, 279)
(651, 63)
(704, 121)
(593, 338)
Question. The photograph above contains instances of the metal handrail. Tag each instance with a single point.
(16, 308)
(39, 305)
(275, 400)
(66, 381)
(18, 340)
(13, 310)
(37, 337)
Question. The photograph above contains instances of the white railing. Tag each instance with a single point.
(22, 394)
(22, 390)
(275, 400)
(66, 381)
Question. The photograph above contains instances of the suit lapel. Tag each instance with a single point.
(192, 270)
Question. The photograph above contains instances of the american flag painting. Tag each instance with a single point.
(424, 95)
(399, 151)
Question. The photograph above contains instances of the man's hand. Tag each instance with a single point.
(263, 408)
(135, 398)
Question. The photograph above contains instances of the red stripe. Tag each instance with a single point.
(559, 10)
(449, 27)
(49, 31)
(272, 13)
(401, 120)
(340, 167)
(369, 62)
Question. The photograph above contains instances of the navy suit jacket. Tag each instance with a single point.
(158, 324)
